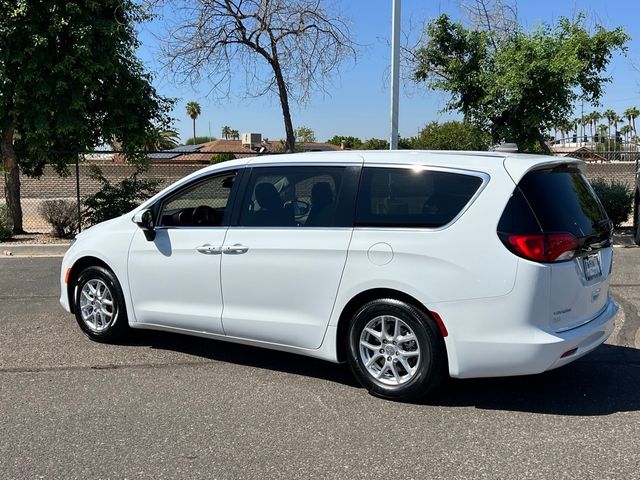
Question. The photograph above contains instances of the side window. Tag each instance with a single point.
(297, 196)
(201, 205)
(405, 197)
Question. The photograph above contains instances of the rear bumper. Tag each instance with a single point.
(529, 351)
(586, 337)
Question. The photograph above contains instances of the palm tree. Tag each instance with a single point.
(564, 127)
(610, 115)
(595, 118)
(193, 110)
(631, 114)
(616, 121)
(234, 134)
(602, 130)
(576, 131)
(167, 139)
(626, 131)
(161, 139)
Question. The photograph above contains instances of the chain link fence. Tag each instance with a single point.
(79, 184)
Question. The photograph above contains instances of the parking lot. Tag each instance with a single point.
(169, 406)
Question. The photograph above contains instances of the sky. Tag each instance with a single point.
(359, 100)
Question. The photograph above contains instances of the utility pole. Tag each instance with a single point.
(395, 73)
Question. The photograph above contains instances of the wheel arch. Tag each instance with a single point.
(79, 265)
(372, 294)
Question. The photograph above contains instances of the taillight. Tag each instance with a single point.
(542, 247)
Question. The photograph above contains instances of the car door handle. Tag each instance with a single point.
(208, 249)
(236, 249)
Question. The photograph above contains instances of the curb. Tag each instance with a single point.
(33, 249)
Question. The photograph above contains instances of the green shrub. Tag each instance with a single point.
(349, 141)
(222, 157)
(451, 135)
(115, 199)
(616, 198)
(6, 225)
(62, 215)
(375, 144)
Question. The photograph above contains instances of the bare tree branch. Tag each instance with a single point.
(499, 18)
(288, 48)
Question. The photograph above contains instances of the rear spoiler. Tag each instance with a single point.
(518, 166)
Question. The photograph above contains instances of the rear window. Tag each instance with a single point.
(555, 200)
(406, 197)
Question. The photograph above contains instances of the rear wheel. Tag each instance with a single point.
(395, 350)
(99, 305)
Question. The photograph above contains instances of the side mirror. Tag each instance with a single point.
(144, 220)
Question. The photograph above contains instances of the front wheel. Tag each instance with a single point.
(99, 305)
(395, 350)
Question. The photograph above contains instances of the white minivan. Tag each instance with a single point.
(409, 265)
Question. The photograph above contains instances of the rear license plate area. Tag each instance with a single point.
(591, 266)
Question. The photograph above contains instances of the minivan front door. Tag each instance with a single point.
(283, 260)
(175, 279)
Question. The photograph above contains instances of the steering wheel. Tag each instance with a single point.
(203, 215)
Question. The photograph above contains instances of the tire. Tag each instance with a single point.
(394, 370)
(108, 322)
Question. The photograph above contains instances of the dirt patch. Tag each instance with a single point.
(35, 239)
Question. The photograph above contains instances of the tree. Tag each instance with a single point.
(564, 126)
(349, 142)
(193, 111)
(451, 136)
(70, 81)
(631, 114)
(375, 144)
(519, 86)
(288, 48)
(602, 131)
(594, 117)
(235, 134)
(305, 135)
(611, 116)
(162, 139)
(618, 119)
(226, 132)
(626, 131)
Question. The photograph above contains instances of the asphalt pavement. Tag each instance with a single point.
(170, 406)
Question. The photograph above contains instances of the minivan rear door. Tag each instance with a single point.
(561, 201)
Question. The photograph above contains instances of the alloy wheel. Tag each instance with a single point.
(389, 350)
(96, 305)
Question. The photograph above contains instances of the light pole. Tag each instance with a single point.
(395, 73)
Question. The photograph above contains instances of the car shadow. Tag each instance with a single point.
(245, 355)
(604, 382)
